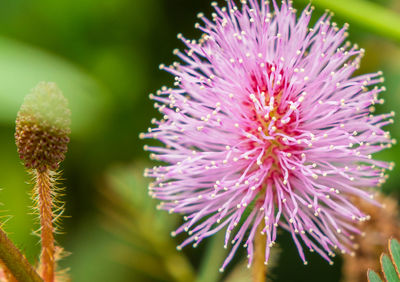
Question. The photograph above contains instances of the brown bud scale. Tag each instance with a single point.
(41, 148)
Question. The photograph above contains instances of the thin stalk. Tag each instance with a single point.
(43, 190)
(259, 270)
(16, 262)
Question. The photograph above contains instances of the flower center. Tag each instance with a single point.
(273, 121)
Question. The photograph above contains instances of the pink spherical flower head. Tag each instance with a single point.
(266, 125)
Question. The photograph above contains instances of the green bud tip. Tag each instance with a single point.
(42, 127)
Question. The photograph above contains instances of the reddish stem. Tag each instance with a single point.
(16, 262)
(43, 186)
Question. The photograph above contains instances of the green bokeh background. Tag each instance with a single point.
(104, 55)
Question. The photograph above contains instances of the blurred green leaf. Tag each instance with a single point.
(394, 250)
(23, 67)
(15, 186)
(213, 259)
(389, 265)
(373, 277)
(143, 232)
(388, 269)
(240, 273)
(91, 259)
(373, 16)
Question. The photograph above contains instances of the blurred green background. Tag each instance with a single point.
(104, 55)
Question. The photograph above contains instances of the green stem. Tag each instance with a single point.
(15, 261)
(376, 18)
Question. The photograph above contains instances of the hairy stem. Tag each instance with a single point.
(8, 276)
(16, 262)
(259, 270)
(43, 190)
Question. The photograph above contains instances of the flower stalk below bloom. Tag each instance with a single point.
(259, 269)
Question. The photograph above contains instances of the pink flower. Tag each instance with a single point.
(266, 125)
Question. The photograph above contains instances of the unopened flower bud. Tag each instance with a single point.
(43, 127)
